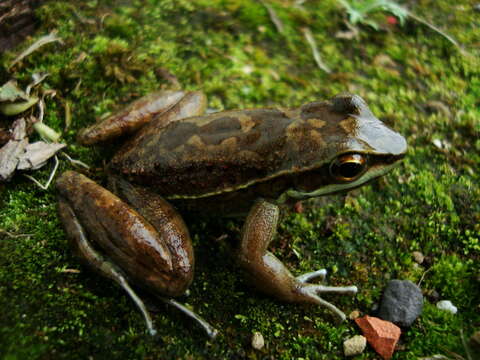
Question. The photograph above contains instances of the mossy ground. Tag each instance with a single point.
(114, 51)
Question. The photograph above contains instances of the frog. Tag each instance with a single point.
(248, 163)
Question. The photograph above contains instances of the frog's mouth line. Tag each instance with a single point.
(370, 174)
(385, 165)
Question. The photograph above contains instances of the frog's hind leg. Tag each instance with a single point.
(163, 216)
(158, 256)
(268, 273)
(97, 261)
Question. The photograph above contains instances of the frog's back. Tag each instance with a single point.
(227, 151)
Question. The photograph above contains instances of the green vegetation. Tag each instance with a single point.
(413, 79)
(359, 11)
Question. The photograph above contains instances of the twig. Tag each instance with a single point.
(41, 110)
(37, 79)
(83, 19)
(274, 17)
(12, 11)
(299, 4)
(52, 37)
(75, 162)
(436, 29)
(68, 115)
(451, 353)
(349, 34)
(316, 54)
(70, 271)
(52, 174)
(423, 275)
(14, 236)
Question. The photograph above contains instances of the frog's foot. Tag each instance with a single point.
(311, 292)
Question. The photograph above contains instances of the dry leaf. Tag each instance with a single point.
(10, 153)
(11, 92)
(52, 37)
(37, 154)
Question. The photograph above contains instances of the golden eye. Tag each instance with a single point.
(348, 167)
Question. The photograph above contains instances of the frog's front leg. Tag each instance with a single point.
(268, 273)
(155, 254)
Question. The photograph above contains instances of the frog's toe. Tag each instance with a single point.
(322, 273)
(312, 291)
(209, 329)
(346, 290)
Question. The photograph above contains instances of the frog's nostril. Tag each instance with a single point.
(351, 104)
(343, 104)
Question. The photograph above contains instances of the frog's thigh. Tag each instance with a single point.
(158, 256)
(166, 220)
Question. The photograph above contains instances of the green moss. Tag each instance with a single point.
(115, 51)
(454, 279)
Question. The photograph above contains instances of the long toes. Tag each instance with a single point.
(347, 290)
(322, 273)
(338, 313)
(311, 293)
(352, 289)
(209, 329)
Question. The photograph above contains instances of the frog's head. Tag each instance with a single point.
(357, 147)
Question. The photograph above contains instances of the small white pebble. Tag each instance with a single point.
(447, 306)
(247, 69)
(257, 341)
(438, 143)
(418, 257)
(354, 314)
(355, 345)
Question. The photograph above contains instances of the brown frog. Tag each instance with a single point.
(227, 163)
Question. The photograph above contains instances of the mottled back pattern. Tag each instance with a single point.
(226, 151)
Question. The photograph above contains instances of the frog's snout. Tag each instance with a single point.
(399, 146)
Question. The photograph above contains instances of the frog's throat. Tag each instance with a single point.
(334, 188)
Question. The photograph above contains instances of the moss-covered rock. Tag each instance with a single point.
(115, 51)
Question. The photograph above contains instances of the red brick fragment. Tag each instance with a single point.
(381, 335)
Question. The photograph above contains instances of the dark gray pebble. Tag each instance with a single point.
(402, 303)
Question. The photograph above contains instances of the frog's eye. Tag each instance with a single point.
(348, 167)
